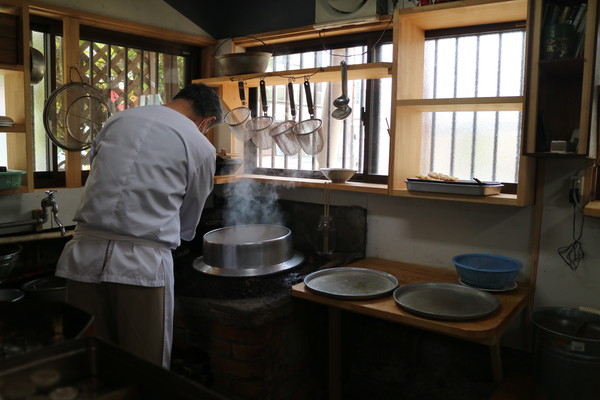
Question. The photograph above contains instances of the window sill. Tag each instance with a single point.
(592, 209)
(501, 199)
(303, 182)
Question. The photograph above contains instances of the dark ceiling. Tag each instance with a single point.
(230, 18)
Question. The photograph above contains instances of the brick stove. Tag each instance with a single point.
(248, 338)
(255, 341)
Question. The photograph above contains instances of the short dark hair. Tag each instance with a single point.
(204, 99)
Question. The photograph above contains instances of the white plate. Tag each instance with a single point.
(504, 289)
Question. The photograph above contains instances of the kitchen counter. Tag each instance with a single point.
(486, 331)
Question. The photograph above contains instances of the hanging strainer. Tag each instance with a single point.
(73, 114)
(307, 131)
(282, 132)
(258, 125)
(237, 118)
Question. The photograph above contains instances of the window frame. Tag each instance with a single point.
(370, 39)
(73, 175)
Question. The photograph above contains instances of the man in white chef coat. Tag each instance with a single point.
(152, 170)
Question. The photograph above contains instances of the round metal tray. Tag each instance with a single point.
(449, 301)
(351, 283)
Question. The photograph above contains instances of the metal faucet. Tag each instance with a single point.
(50, 201)
(41, 218)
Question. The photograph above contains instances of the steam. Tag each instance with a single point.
(248, 202)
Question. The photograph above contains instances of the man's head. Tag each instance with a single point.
(205, 104)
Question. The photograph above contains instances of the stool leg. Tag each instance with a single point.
(496, 362)
(335, 376)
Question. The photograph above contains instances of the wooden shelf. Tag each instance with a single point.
(592, 209)
(304, 182)
(22, 189)
(325, 74)
(502, 198)
(464, 104)
(10, 68)
(16, 128)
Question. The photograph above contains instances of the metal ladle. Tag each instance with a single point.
(342, 110)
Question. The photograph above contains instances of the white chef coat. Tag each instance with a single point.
(152, 171)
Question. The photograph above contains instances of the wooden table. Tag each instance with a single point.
(485, 331)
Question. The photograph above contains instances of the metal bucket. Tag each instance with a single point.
(566, 353)
(51, 288)
(9, 295)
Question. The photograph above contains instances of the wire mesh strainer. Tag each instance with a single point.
(257, 126)
(282, 132)
(237, 118)
(307, 131)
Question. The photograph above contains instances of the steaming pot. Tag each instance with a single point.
(247, 250)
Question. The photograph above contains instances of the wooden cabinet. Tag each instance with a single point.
(562, 83)
(17, 92)
(410, 103)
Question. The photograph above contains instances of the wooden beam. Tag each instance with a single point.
(71, 60)
(100, 21)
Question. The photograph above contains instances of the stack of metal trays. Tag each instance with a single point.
(6, 121)
(470, 188)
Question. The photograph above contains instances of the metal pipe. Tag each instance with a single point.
(34, 221)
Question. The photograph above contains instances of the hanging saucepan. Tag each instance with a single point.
(282, 133)
(307, 131)
(73, 114)
(237, 118)
(258, 126)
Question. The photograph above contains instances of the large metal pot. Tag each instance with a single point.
(247, 250)
(243, 63)
(9, 255)
(51, 288)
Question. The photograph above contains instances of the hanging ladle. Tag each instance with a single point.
(236, 119)
(342, 110)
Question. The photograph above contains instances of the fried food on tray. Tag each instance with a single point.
(437, 176)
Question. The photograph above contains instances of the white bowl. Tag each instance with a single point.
(338, 175)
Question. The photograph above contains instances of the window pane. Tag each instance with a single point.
(344, 140)
(130, 77)
(485, 145)
(3, 149)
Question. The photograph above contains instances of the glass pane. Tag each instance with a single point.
(343, 139)
(117, 77)
(484, 145)
(486, 65)
(3, 149)
(41, 157)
